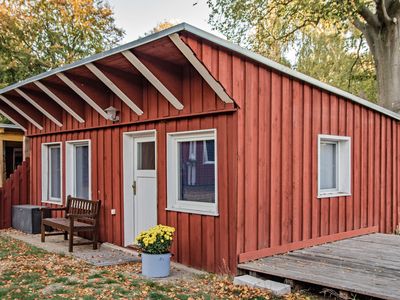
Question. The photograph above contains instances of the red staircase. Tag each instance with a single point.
(15, 191)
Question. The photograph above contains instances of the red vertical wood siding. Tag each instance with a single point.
(279, 121)
(267, 155)
(204, 242)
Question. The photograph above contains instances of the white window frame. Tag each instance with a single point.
(70, 166)
(343, 166)
(173, 203)
(45, 174)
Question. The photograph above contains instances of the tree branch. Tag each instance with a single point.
(382, 12)
(369, 17)
(354, 63)
(393, 8)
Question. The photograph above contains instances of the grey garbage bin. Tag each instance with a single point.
(26, 218)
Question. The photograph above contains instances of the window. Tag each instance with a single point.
(78, 169)
(208, 152)
(192, 172)
(334, 166)
(51, 173)
(146, 158)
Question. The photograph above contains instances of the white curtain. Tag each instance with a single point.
(192, 164)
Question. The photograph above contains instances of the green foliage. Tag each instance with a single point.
(38, 35)
(317, 38)
(344, 63)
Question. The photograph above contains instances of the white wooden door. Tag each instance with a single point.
(144, 186)
(140, 183)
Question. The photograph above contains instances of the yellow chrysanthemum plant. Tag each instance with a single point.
(156, 240)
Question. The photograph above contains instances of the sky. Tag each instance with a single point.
(137, 17)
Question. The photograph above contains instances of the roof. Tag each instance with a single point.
(10, 126)
(220, 42)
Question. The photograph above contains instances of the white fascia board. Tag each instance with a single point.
(38, 107)
(132, 58)
(21, 112)
(212, 82)
(116, 90)
(59, 101)
(83, 95)
(12, 120)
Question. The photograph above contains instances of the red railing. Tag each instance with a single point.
(15, 191)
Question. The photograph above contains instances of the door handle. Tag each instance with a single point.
(134, 187)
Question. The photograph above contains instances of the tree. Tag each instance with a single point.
(372, 22)
(344, 63)
(162, 26)
(38, 35)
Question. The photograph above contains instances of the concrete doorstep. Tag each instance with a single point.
(276, 288)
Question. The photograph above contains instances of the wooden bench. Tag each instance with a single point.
(81, 215)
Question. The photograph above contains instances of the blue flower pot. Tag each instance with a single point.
(156, 265)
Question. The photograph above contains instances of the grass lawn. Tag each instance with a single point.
(27, 272)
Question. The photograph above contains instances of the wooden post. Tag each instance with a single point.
(26, 148)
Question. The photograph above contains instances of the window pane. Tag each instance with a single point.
(146, 156)
(209, 151)
(54, 172)
(328, 166)
(196, 179)
(82, 171)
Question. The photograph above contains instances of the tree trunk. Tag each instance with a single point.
(385, 48)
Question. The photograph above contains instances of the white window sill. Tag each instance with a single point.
(333, 195)
(193, 211)
(53, 202)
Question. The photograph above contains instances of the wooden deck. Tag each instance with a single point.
(366, 265)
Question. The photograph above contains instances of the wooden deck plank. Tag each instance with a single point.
(367, 265)
(366, 260)
(328, 264)
(384, 239)
(359, 265)
(373, 251)
(366, 285)
(354, 247)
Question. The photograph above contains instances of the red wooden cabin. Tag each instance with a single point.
(245, 157)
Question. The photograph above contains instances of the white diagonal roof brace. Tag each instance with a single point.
(21, 112)
(59, 101)
(152, 79)
(83, 95)
(116, 90)
(188, 53)
(11, 119)
(38, 107)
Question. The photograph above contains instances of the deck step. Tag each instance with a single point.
(276, 288)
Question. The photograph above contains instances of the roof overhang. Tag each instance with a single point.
(215, 85)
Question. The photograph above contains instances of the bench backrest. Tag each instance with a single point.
(89, 209)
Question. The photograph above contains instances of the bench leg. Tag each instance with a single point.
(42, 232)
(70, 241)
(65, 235)
(95, 240)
